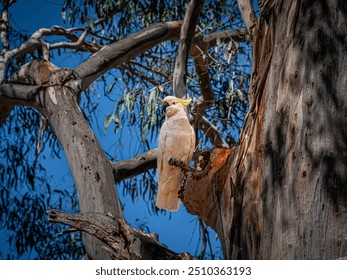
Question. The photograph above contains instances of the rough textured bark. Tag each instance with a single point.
(281, 193)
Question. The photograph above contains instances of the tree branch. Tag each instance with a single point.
(126, 169)
(201, 66)
(129, 168)
(25, 83)
(75, 45)
(179, 89)
(248, 14)
(138, 74)
(122, 241)
(211, 40)
(77, 42)
(204, 234)
(148, 69)
(29, 46)
(206, 99)
(35, 42)
(211, 132)
(20, 93)
(122, 51)
(4, 26)
(186, 38)
(201, 44)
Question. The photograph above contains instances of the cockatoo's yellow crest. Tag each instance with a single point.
(185, 102)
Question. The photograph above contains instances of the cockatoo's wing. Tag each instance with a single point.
(176, 140)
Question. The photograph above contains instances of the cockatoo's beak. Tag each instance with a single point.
(185, 102)
(165, 105)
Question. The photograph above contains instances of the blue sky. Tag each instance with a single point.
(179, 231)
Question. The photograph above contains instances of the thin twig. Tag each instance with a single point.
(159, 73)
(73, 45)
(204, 233)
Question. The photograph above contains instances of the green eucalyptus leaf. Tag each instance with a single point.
(109, 119)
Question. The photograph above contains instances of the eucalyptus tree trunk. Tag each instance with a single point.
(281, 193)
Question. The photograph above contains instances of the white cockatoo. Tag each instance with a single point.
(176, 140)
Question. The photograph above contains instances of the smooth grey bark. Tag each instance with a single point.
(129, 168)
(91, 170)
(115, 54)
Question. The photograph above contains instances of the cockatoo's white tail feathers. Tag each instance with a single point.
(167, 197)
(169, 201)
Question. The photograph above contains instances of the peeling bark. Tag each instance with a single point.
(282, 190)
(206, 193)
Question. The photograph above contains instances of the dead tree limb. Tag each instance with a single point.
(121, 240)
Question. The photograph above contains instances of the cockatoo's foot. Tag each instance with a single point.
(180, 164)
